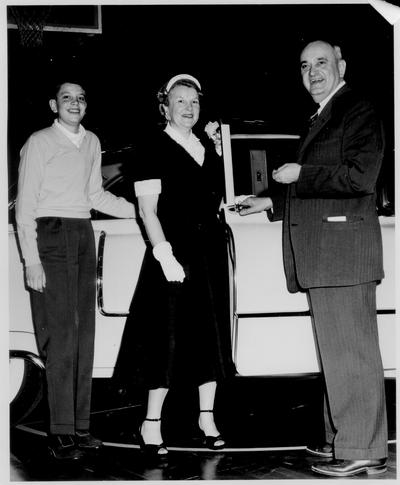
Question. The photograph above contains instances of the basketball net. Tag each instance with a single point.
(31, 21)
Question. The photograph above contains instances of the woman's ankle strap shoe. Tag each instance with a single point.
(212, 442)
(152, 450)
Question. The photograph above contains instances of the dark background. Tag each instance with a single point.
(245, 56)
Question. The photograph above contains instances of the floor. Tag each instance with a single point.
(266, 423)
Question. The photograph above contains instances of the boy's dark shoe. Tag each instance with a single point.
(62, 447)
(85, 441)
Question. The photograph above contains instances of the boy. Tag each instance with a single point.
(59, 182)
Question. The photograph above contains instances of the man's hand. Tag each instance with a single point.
(287, 173)
(35, 277)
(252, 205)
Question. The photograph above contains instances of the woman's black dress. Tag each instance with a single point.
(180, 332)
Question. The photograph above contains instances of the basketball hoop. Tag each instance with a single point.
(30, 21)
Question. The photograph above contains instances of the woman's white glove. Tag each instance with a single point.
(173, 271)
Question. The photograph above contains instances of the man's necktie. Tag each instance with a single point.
(312, 120)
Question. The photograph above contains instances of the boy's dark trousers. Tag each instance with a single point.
(64, 319)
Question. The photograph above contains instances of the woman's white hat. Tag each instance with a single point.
(179, 77)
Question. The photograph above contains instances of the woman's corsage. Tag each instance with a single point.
(213, 131)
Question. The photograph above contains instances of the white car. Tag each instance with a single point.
(271, 328)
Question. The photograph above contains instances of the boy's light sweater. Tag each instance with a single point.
(57, 179)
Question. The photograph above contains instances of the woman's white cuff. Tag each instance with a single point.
(148, 187)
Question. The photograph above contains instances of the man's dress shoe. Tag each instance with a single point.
(85, 441)
(62, 447)
(324, 451)
(348, 468)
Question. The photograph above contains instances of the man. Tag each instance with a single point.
(332, 249)
(59, 182)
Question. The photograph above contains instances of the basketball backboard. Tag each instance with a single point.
(62, 18)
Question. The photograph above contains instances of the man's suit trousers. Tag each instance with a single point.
(347, 336)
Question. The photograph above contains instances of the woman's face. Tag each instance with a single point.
(183, 109)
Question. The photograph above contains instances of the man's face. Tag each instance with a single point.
(70, 105)
(321, 70)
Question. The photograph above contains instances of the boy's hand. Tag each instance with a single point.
(35, 277)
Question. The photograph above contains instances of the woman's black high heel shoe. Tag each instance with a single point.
(211, 441)
(151, 450)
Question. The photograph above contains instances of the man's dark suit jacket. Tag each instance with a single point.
(340, 157)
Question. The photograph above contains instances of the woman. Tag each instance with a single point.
(178, 315)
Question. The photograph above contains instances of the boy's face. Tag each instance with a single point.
(70, 105)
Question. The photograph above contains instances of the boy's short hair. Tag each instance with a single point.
(56, 86)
